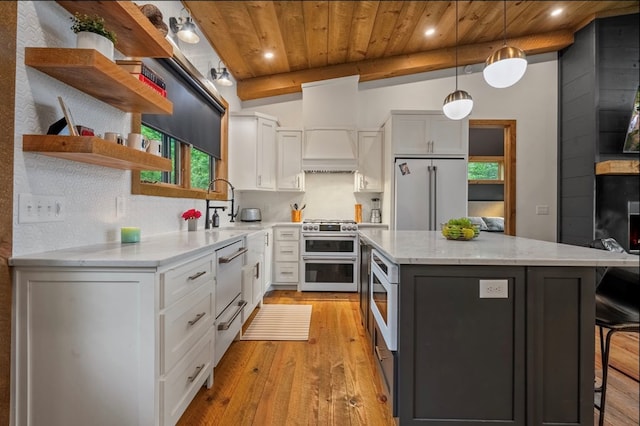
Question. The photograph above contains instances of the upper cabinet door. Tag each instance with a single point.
(252, 151)
(290, 175)
(369, 177)
(429, 133)
(266, 147)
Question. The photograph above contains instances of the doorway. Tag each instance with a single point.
(501, 188)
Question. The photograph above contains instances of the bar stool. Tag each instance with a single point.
(617, 299)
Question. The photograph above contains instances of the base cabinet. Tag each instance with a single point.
(286, 256)
(523, 359)
(111, 346)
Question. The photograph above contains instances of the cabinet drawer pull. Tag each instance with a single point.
(287, 272)
(380, 357)
(196, 275)
(226, 325)
(227, 259)
(197, 318)
(286, 251)
(192, 377)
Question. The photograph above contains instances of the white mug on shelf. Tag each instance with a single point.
(154, 147)
(114, 137)
(137, 141)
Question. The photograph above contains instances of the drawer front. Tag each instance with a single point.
(184, 324)
(178, 281)
(290, 234)
(286, 272)
(287, 251)
(227, 327)
(179, 387)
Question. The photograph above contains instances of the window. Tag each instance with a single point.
(194, 137)
(485, 169)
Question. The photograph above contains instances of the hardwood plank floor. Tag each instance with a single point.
(332, 379)
(623, 388)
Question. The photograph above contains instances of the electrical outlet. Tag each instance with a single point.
(494, 289)
(120, 206)
(542, 210)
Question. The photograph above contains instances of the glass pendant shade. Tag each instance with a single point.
(457, 105)
(187, 32)
(505, 67)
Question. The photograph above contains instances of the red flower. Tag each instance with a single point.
(191, 214)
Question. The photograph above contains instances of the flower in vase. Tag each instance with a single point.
(191, 214)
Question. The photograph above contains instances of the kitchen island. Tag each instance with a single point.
(497, 330)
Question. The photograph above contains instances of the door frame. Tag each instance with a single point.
(509, 140)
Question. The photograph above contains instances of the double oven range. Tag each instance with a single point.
(329, 255)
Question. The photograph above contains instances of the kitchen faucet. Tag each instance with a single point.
(231, 213)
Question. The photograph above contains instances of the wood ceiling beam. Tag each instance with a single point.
(375, 69)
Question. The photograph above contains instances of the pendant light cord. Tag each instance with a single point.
(456, 45)
(505, 22)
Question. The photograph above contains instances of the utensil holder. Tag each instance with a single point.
(296, 215)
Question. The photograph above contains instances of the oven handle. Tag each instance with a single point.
(320, 235)
(337, 259)
(227, 259)
(226, 325)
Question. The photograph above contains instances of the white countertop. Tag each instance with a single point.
(151, 252)
(431, 248)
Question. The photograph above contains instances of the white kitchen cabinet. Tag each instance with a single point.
(253, 273)
(369, 177)
(428, 133)
(252, 151)
(290, 176)
(112, 345)
(286, 256)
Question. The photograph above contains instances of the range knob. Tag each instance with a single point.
(316, 227)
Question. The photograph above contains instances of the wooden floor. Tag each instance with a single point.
(331, 379)
(623, 386)
(328, 380)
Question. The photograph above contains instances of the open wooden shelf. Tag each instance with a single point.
(618, 167)
(93, 150)
(135, 34)
(91, 72)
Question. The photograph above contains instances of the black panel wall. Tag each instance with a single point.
(598, 78)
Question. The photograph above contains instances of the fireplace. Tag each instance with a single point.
(617, 210)
(634, 226)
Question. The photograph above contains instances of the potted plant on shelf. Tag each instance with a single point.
(192, 216)
(92, 34)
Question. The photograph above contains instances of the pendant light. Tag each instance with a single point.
(506, 66)
(458, 104)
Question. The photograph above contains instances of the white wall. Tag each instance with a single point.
(89, 191)
(532, 102)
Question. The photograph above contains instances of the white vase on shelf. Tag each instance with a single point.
(89, 40)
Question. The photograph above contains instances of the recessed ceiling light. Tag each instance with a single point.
(430, 31)
(268, 55)
(556, 12)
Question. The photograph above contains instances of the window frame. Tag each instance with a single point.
(488, 159)
(184, 190)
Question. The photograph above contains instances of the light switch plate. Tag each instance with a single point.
(494, 289)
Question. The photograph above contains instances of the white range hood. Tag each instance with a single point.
(329, 110)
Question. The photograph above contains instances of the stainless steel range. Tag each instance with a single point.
(329, 255)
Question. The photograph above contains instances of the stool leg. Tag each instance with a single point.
(600, 329)
(605, 373)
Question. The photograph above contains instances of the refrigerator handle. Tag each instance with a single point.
(435, 197)
(429, 195)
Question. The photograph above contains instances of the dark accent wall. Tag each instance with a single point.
(598, 79)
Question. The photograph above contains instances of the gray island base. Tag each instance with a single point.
(495, 331)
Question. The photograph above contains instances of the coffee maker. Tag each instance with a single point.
(375, 211)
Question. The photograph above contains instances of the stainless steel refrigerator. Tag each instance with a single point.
(428, 191)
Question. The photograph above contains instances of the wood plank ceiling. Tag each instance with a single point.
(318, 40)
